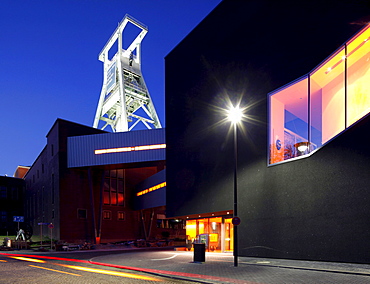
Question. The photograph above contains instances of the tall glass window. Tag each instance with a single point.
(288, 121)
(327, 91)
(113, 188)
(309, 112)
(358, 77)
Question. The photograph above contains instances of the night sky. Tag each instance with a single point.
(49, 65)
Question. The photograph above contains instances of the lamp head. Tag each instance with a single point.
(235, 114)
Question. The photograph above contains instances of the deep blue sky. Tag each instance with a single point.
(49, 65)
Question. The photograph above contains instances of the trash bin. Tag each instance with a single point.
(199, 252)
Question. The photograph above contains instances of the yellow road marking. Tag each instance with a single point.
(54, 270)
(110, 272)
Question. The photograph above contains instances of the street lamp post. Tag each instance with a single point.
(235, 195)
(235, 115)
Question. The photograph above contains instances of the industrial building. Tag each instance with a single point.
(94, 186)
(89, 185)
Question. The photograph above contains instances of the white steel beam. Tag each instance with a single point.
(124, 91)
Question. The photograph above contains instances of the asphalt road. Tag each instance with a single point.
(169, 266)
(17, 268)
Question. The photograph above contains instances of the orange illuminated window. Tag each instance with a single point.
(327, 91)
(113, 188)
(213, 238)
(288, 121)
(191, 229)
(312, 110)
(358, 77)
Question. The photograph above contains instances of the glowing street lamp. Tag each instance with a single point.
(235, 115)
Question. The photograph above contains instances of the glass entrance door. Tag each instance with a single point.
(216, 232)
(229, 235)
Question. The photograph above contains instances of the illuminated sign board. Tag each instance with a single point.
(130, 149)
(150, 189)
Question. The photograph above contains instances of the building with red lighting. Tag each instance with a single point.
(97, 186)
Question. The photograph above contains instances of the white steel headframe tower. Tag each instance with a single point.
(124, 91)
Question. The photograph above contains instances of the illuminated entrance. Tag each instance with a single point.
(216, 232)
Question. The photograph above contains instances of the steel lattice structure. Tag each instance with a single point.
(124, 91)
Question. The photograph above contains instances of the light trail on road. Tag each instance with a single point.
(59, 271)
(166, 258)
(30, 258)
(110, 272)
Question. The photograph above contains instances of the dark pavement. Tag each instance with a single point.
(219, 267)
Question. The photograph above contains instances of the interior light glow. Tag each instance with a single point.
(214, 226)
(150, 189)
(346, 56)
(130, 149)
(302, 146)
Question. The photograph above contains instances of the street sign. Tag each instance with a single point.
(51, 226)
(236, 221)
(42, 224)
(18, 218)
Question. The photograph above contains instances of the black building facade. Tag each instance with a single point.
(11, 204)
(305, 208)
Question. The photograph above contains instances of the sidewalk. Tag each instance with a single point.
(219, 268)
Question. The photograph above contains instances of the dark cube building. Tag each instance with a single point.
(300, 69)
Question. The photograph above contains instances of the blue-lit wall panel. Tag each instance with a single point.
(81, 149)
